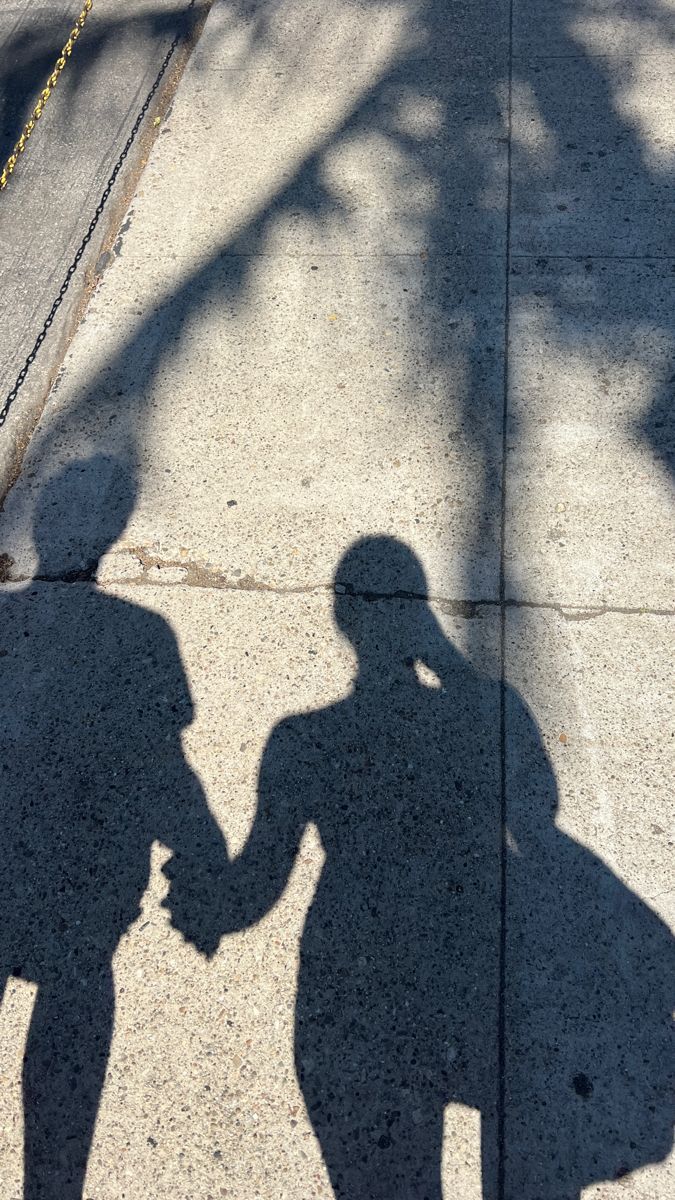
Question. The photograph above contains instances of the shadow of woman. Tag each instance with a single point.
(590, 983)
(93, 702)
(397, 1004)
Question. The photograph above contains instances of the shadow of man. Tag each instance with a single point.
(93, 702)
(397, 1004)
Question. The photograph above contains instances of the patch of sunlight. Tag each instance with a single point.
(372, 171)
(638, 51)
(297, 84)
(418, 116)
(427, 677)
(530, 132)
(649, 1183)
(461, 1164)
(16, 1009)
(301, 34)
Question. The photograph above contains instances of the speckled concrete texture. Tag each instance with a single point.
(200, 1095)
(590, 957)
(316, 415)
(593, 92)
(603, 27)
(338, 272)
(591, 445)
(337, 623)
(55, 188)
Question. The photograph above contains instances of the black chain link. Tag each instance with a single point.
(21, 377)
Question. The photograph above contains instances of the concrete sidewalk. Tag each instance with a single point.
(378, 384)
(57, 184)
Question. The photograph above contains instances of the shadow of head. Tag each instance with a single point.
(80, 513)
(373, 569)
(382, 609)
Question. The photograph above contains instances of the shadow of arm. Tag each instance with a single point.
(256, 879)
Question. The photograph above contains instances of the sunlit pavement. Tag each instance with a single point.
(54, 190)
(400, 271)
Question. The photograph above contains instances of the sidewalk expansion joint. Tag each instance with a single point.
(542, 257)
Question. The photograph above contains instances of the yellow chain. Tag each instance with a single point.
(45, 94)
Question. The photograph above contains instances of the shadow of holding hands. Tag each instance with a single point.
(542, 1004)
(403, 994)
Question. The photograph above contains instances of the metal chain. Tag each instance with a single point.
(45, 94)
(12, 395)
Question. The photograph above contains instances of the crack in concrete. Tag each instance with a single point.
(587, 612)
(194, 574)
(187, 573)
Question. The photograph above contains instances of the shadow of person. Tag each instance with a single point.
(590, 983)
(399, 977)
(93, 702)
